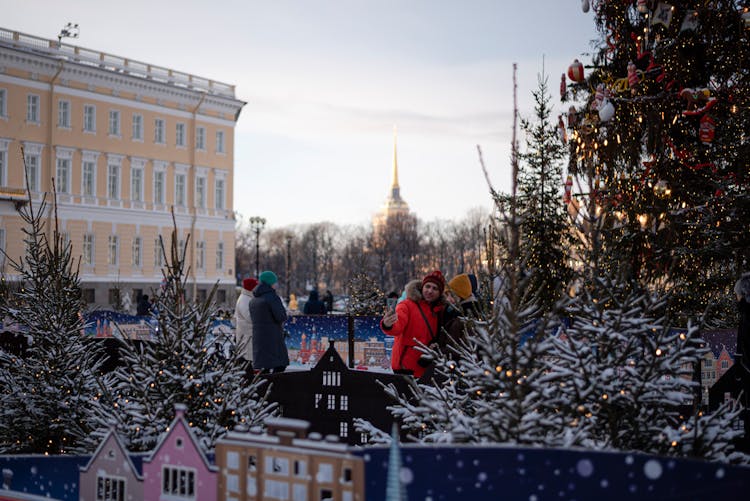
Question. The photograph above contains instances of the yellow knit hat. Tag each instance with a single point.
(461, 285)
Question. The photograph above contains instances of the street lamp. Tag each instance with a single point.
(256, 224)
(288, 265)
(70, 30)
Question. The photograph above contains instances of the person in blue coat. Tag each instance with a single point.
(267, 314)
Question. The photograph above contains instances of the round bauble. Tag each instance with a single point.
(575, 71)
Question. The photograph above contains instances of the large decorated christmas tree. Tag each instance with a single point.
(659, 145)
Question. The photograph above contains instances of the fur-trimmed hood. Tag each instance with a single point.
(414, 290)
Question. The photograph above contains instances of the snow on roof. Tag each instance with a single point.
(118, 442)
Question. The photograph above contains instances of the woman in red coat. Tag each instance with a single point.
(415, 320)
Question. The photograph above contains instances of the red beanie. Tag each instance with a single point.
(436, 278)
(249, 284)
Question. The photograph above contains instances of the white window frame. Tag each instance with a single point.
(219, 190)
(200, 255)
(331, 402)
(89, 118)
(200, 138)
(136, 184)
(137, 252)
(63, 114)
(325, 473)
(219, 256)
(4, 143)
(63, 167)
(277, 465)
(88, 249)
(32, 162)
(113, 250)
(343, 429)
(107, 488)
(160, 183)
(170, 482)
(33, 108)
(180, 134)
(158, 256)
(137, 127)
(114, 123)
(180, 189)
(113, 180)
(220, 146)
(200, 191)
(344, 402)
(159, 136)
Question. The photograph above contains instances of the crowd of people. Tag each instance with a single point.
(430, 310)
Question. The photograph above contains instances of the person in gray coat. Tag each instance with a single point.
(268, 315)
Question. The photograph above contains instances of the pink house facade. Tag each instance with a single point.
(178, 469)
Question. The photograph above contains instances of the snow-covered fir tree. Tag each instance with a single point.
(624, 376)
(185, 362)
(366, 298)
(50, 391)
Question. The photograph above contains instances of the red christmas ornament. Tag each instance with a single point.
(632, 76)
(707, 129)
(568, 189)
(575, 71)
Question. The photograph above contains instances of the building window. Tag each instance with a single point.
(159, 187)
(32, 108)
(110, 488)
(318, 399)
(137, 252)
(347, 475)
(331, 378)
(179, 138)
(200, 255)
(219, 141)
(89, 296)
(3, 166)
(87, 254)
(300, 468)
(200, 192)
(179, 190)
(252, 463)
(221, 296)
(344, 402)
(219, 194)
(200, 138)
(136, 184)
(114, 123)
(325, 473)
(89, 118)
(178, 481)
(273, 489)
(113, 181)
(331, 402)
(3, 106)
(63, 114)
(279, 466)
(219, 256)
(114, 297)
(343, 429)
(159, 131)
(158, 256)
(725, 364)
(63, 175)
(113, 250)
(89, 178)
(32, 171)
(137, 127)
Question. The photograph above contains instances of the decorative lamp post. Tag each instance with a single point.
(256, 225)
(70, 30)
(288, 266)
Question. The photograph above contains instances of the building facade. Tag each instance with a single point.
(123, 145)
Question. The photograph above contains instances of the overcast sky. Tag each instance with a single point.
(325, 82)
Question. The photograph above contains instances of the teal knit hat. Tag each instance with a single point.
(268, 278)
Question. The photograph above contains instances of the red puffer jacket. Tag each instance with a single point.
(411, 327)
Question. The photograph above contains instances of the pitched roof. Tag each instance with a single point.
(179, 419)
(112, 433)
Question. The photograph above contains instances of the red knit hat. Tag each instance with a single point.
(436, 277)
(249, 284)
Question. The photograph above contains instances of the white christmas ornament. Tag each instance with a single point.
(606, 111)
(585, 5)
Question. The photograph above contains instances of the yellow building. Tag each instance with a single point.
(125, 142)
